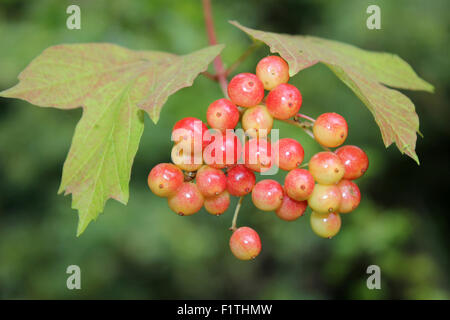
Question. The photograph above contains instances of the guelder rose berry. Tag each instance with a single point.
(218, 204)
(350, 196)
(326, 167)
(240, 181)
(246, 90)
(187, 200)
(355, 161)
(272, 71)
(284, 101)
(289, 152)
(299, 184)
(257, 121)
(258, 155)
(210, 181)
(291, 209)
(330, 129)
(245, 243)
(267, 195)
(164, 179)
(325, 225)
(184, 160)
(190, 129)
(325, 198)
(224, 150)
(222, 114)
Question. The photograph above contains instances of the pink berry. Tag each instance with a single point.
(187, 200)
(326, 167)
(272, 71)
(330, 129)
(257, 121)
(325, 198)
(184, 160)
(240, 181)
(218, 204)
(210, 181)
(289, 153)
(284, 101)
(299, 184)
(350, 196)
(355, 161)
(267, 195)
(325, 225)
(291, 209)
(222, 114)
(245, 243)
(190, 129)
(258, 155)
(224, 150)
(164, 179)
(246, 90)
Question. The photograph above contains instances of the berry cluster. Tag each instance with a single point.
(222, 164)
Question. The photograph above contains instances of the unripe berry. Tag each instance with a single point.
(257, 122)
(330, 129)
(185, 161)
(350, 196)
(291, 209)
(258, 155)
(187, 200)
(210, 181)
(190, 129)
(289, 153)
(240, 181)
(222, 114)
(299, 184)
(218, 204)
(246, 90)
(284, 101)
(355, 161)
(164, 179)
(224, 150)
(267, 195)
(325, 198)
(272, 71)
(326, 168)
(245, 243)
(325, 225)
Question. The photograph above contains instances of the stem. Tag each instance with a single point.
(244, 56)
(218, 64)
(304, 116)
(306, 128)
(236, 213)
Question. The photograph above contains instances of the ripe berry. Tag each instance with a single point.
(187, 200)
(355, 161)
(164, 179)
(325, 225)
(326, 168)
(350, 196)
(246, 90)
(210, 181)
(325, 198)
(222, 114)
(240, 181)
(330, 129)
(258, 155)
(272, 71)
(224, 150)
(245, 243)
(218, 204)
(299, 184)
(289, 153)
(291, 209)
(183, 160)
(188, 130)
(284, 101)
(257, 121)
(267, 195)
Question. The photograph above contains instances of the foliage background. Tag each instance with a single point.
(143, 250)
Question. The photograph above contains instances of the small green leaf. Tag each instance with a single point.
(108, 82)
(366, 73)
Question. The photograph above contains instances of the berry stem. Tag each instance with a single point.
(306, 128)
(249, 51)
(304, 116)
(236, 213)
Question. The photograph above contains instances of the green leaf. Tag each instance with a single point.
(366, 73)
(109, 82)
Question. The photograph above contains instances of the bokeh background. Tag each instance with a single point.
(143, 250)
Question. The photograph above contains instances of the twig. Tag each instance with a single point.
(304, 116)
(236, 213)
(306, 128)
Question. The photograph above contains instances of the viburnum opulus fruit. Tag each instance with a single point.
(257, 121)
(330, 129)
(325, 225)
(246, 90)
(164, 179)
(190, 129)
(289, 153)
(291, 209)
(240, 181)
(187, 200)
(185, 160)
(284, 101)
(224, 150)
(325, 198)
(218, 204)
(245, 243)
(211, 181)
(299, 184)
(272, 71)
(267, 195)
(258, 155)
(222, 114)
(350, 196)
(326, 168)
(355, 161)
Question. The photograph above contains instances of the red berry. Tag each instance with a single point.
(218, 204)
(245, 243)
(222, 114)
(272, 71)
(325, 225)
(258, 155)
(257, 121)
(184, 160)
(284, 101)
(350, 196)
(326, 167)
(189, 130)
(246, 90)
(299, 184)
(267, 195)
(355, 161)
(240, 181)
(325, 198)
(187, 200)
(330, 129)
(291, 209)
(164, 179)
(289, 153)
(210, 181)
(224, 150)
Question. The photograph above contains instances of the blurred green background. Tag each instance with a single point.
(143, 250)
